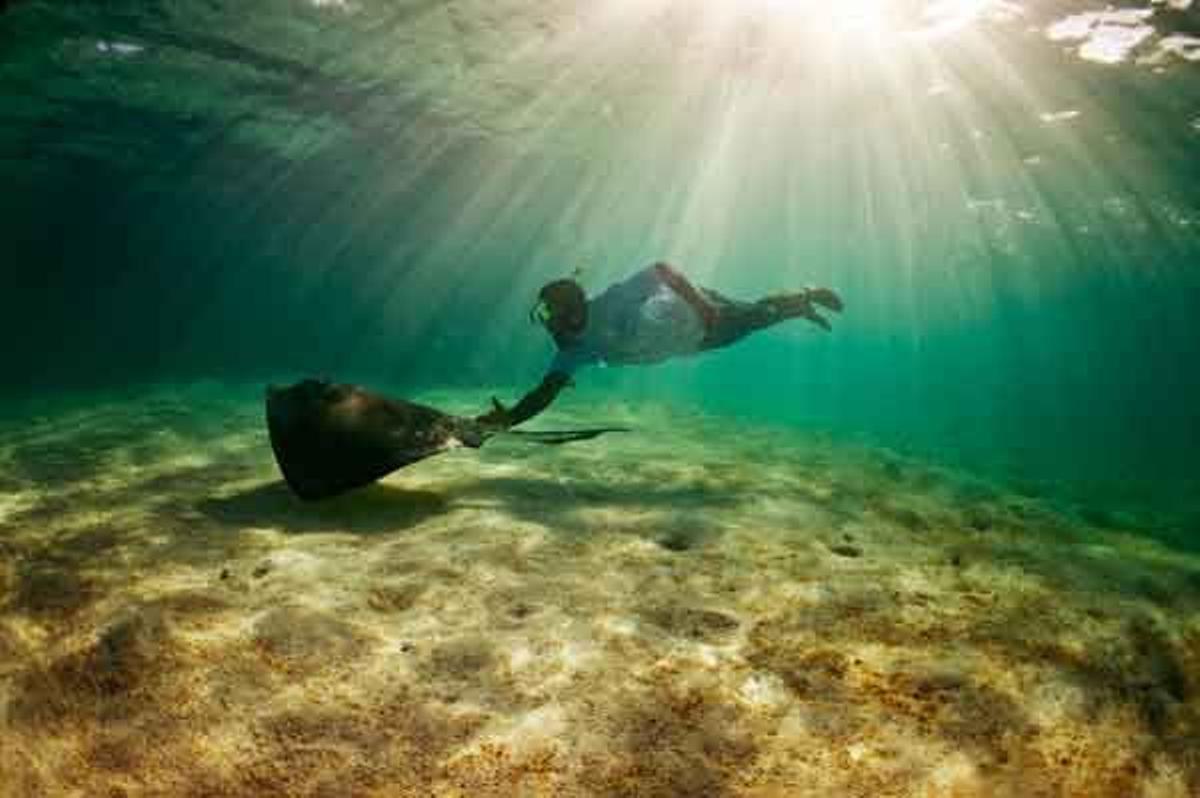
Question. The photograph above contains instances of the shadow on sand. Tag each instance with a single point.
(385, 507)
(377, 509)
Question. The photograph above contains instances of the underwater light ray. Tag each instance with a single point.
(717, 185)
(348, 110)
(1007, 169)
(699, 234)
(1145, 173)
(710, 191)
(406, 166)
(719, 190)
(258, 186)
(903, 167)
(666, 146)
(550, 94)
(884, 21)
(821, 161)
(530, 179)
(592, 58)
(497, 199)
(1078, 208)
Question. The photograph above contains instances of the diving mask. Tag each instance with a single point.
(540, 313)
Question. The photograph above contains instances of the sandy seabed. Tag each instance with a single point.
(697, 608)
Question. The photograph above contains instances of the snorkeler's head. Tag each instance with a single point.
(562, 309)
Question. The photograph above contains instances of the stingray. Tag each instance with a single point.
(330, 438)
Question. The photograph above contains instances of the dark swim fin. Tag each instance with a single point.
(559, 437)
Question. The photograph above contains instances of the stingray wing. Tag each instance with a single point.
(330, 438)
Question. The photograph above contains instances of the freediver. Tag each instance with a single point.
(654, 315)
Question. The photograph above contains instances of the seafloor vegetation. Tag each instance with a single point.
(697, 609)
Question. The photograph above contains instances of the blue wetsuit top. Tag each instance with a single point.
(638, 320)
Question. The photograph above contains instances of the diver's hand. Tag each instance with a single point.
(825, 297)
(500, 417)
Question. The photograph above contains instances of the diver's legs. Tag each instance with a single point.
(735, 320)
(802, 305)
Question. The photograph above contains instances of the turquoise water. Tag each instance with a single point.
(375, 191)
(198, 197)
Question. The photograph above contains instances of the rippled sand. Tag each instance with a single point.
(694, 609)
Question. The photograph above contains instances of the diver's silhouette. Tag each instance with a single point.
(652, 316)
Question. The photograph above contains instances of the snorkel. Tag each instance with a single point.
(540, 312)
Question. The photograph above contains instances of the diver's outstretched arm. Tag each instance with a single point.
(530, 404)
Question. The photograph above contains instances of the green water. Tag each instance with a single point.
(375, 191)
(951, 547)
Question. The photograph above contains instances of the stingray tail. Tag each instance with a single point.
(559, 437)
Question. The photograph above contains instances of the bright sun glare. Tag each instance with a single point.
(920, 18)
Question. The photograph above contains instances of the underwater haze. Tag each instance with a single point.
(1006, 195)
(951, 547)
